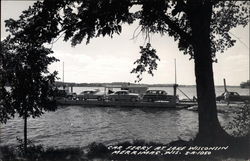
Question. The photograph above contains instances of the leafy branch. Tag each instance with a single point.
(147, 61)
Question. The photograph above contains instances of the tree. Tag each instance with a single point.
(201, 28)
(24, 69)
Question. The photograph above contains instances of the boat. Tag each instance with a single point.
(132, 88)
(245, 84)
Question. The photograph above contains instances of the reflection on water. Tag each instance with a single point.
(74, 126)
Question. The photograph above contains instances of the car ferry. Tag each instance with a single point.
(245, 84)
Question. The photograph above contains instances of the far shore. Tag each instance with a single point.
(127, 83)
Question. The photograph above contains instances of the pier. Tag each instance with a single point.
(95, 103)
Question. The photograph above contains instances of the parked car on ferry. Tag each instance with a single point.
(158, 95)
(71, 96)
(124, 95)
(233, 96)
(60, 93)
(91, 94)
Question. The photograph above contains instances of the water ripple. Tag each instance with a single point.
(75, 126)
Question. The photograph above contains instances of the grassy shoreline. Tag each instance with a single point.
(136, 150)
(235, 148)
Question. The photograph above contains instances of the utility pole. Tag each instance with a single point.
(63, 76)
(225, 85)
(175, 81)
(63, 73)
(175, 78)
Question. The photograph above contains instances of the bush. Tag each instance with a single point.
(39, 153)
(240, 125)
(98, 150)
(67, 154)
(8, 153)
(33, 151)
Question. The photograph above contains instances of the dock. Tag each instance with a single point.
(95, 103)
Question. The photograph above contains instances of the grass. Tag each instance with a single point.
(99, 151)
(38, 153)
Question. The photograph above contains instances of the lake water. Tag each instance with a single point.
(76, 126)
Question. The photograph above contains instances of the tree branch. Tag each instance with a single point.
(175, 27)
(171, 24)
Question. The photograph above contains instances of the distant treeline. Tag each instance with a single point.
(113, 83)
(71, 84)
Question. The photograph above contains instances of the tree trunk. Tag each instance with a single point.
(25, 133)
(210, 131)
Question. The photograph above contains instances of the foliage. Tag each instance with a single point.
(240, 125)
(24, 67)
(201, 29)
(101, 151)
(33, 151)
(76, 20)
(226, 16)
(97, 151)
(147, 61)
(31, 85)
(15, 153)
(6, 110)
(40, 153)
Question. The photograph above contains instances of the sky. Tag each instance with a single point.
(107, 59)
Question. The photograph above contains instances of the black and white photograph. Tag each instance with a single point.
(124, 80)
